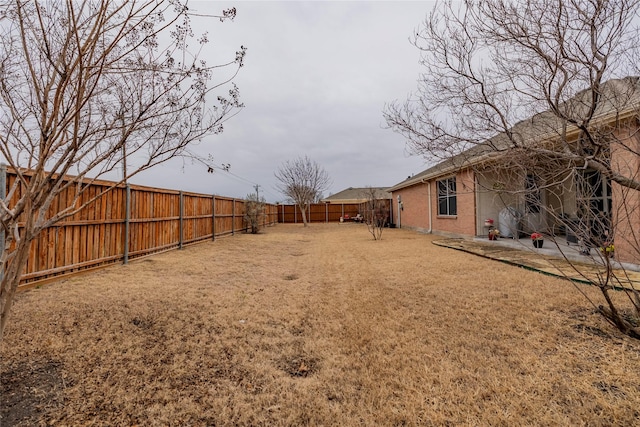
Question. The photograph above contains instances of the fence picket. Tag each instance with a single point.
(108, 231)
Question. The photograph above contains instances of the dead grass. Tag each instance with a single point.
(317, 326)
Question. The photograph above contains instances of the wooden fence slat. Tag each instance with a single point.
(319, 212)
(97, 235)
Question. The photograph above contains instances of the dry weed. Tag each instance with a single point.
(318, 326)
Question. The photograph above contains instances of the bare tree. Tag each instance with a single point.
(530, 95)
(302, 180)
(87, 87)
(376, 212)
(254, 207)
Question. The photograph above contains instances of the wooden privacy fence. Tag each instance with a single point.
(319, 212)
(324, 212)
(128, 221)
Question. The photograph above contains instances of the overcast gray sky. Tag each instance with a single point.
(316, 78)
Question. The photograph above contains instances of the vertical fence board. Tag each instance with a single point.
(319, 212)
(107, 231)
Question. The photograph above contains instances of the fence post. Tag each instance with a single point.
(266, 215)
(181, 226)
(127, 220)
(233, 217)
(245, 224)
(213, 217)
(3, 194)
(326, 212)
(295, 214)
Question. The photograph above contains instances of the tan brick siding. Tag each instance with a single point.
(625, 201)
(415, 200)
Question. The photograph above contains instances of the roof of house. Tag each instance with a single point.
(622, 97)
(357, 195)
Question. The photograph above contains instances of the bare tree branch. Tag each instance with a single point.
(533, 97)
(376, 212)
(87, 87)
(302, 180)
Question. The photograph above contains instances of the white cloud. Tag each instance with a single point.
(316, 79)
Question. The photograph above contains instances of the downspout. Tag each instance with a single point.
(477, 200)
(426, 181)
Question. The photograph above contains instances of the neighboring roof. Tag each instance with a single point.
(622, 97)
(357, 195)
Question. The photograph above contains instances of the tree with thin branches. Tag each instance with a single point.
(91, 87)
(302, 180)
(533, 97)
(376, 212)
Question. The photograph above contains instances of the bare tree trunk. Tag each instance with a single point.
(302, 180)
(11, 280)
(376, 212)
(614, 316)
(530, 97)
(104, 86)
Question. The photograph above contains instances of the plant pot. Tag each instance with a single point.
(538, 243)
(492, 237)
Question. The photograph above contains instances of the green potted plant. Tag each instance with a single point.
(537, 239)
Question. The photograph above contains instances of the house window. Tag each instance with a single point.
(447, 202)
(594, 193)
(594, 205)
(532, 196)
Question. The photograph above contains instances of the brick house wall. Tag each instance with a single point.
(464, 223)
(415, 201)
(626, 201)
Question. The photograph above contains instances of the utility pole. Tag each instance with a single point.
(257, 186)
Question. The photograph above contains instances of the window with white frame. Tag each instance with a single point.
(447, 201)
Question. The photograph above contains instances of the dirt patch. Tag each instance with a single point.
(242, 332)
(29, 390)
(590, 330)
(299, 366)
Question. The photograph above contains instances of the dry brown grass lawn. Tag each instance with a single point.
(317, 326)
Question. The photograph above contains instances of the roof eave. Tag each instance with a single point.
(571, 131)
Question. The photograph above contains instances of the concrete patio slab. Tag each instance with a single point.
(555, 261)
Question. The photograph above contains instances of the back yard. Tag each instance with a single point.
(317, 326)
